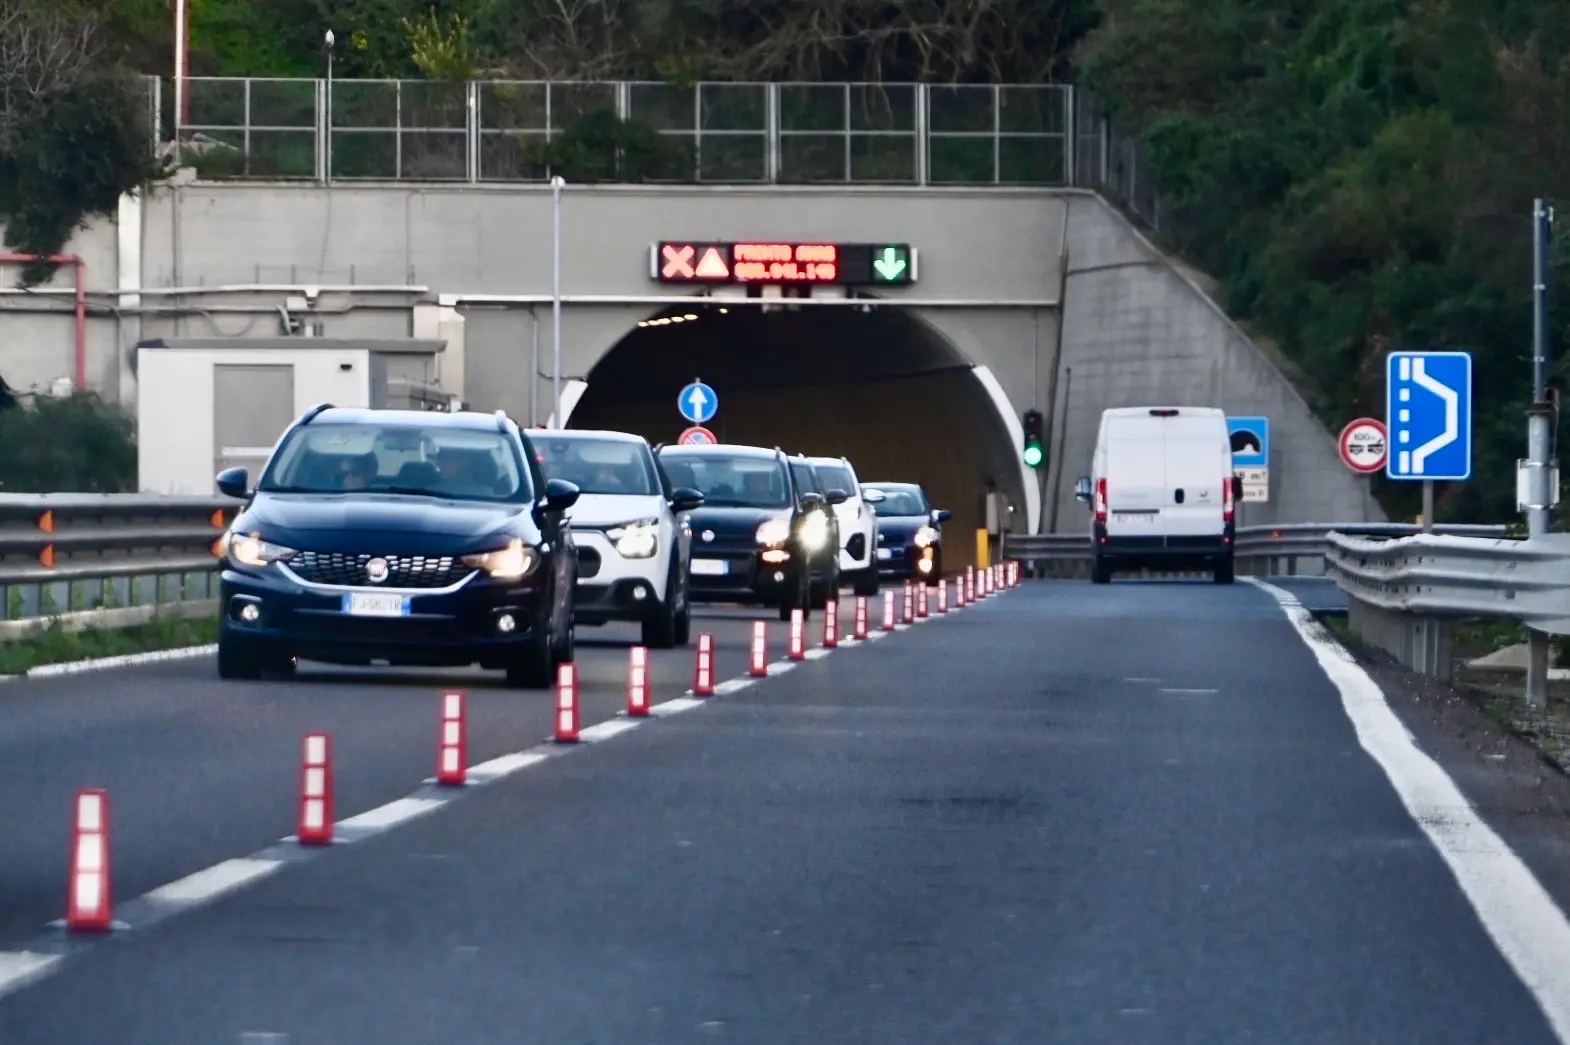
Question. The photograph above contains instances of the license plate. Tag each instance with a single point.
(884, 554)
(1134, 517)
(375, 604)
(709, 567)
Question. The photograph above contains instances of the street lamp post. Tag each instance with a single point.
(327, 143)
(557, 184)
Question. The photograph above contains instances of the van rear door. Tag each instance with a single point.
(1135, 478)
(1197, 456)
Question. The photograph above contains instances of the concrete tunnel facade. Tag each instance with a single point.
(1025, 298)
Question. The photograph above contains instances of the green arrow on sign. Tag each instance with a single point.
(889, 265)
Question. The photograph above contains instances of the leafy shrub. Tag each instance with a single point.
(78, 443)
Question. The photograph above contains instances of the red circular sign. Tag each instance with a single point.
(1364, 445)
(697, 435)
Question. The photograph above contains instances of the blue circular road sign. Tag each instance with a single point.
(698, 403)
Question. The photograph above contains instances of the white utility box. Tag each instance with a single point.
(206, 404)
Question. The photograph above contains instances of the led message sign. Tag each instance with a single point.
(843, 264)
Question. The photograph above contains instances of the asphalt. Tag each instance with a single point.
(201, 770)
(1124, 814)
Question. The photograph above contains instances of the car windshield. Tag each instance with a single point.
(900, 503)
(835, 477)
(398, 458)
(729, 480)
(598, 466)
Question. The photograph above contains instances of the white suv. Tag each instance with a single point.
(634, 545)
(858, 523)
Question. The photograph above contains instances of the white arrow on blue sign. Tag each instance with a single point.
(698, 403)
(1428, 411)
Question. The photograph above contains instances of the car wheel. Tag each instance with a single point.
(1225, 571)
(1100, 571)
(683, 634)
(237, 659)
(801, 595)
(659, 625)
(867, 582)
(827, 588)
(534, 668)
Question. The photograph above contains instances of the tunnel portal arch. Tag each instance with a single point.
(879, 385)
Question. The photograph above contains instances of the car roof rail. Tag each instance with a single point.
(314, 412)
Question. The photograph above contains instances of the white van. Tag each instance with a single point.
(1163, 491)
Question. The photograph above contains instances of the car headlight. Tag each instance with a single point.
(509, 563)
(775, 531)
(815, 531)
(636, 540)
(925, 536)
(251, 550)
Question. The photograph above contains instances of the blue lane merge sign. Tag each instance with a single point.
(1428, 412)
(698, 403)
(1250, 441)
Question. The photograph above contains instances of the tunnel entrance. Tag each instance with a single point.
(879, 386)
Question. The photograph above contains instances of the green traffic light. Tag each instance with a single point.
(1033, 455)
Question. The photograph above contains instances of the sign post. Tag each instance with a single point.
(1428, 413)
(1251, 455)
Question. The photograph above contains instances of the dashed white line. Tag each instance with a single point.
(1520, 916)
(609, 728)
(210, 883)
(1171, 689)
(506, 765)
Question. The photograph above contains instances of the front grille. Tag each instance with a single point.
(403, 571)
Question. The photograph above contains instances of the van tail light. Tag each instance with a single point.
(1226, 499)
(1101, 500)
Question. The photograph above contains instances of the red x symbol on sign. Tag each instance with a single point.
(678, 261)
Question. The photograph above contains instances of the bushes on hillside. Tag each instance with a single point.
(78, 443)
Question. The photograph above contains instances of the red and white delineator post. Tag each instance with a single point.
(566, 704)
(798, 634)
(888, 611)
(959, 591)
(943, 595)
(88, 902)
(860, 623)
(758, 660)
(452, 749)
(316, 791)
(703, 673)
(831, 623)
(907, 610)
(638, 682)
(970, 585)
(921, 600)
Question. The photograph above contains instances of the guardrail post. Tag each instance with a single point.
(1536, 668)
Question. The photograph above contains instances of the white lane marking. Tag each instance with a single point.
(1140, 679)
(209, 884)
(780, 667)
(817, 653)
(128, 660)
(506, 765)
(398, 811)
(1518, 913)
(609, 728)
(1169, 689)
(677, 705)
(20, 968)
(730, 686)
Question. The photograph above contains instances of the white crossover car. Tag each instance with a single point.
(858, 523)
(634, 544)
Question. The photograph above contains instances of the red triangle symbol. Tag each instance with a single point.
(713, 265)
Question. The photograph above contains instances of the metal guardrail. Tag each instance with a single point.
(763, 133)
(61, 553)
(1290, 549)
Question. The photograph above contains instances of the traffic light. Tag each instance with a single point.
(1035, 452)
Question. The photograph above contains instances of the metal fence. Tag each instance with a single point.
(760, 133)
(1288, 550)
(61, 553)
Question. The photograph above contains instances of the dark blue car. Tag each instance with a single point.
(910, 533)
(403, 537)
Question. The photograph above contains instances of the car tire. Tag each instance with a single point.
(659, 627)
(535, 668)
(867, 582)
(237, 659)
(799, 598)
(1225, 571)
(1100, 571)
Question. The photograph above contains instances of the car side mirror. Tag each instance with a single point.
(812, 501)
(873, 495)
(685, 499)
(560, 495)
(838, 496)
(235, 482)
(1237, 488)
(941, 515)
(1082, 489)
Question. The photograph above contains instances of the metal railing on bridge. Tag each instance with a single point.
(1287, 550)
(709, 133)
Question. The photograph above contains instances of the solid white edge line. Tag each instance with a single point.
(1525, 923)
(506, 765)
(20, 968)
(210, 883)
(611, 727)
(127, 660)
(398, 811)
